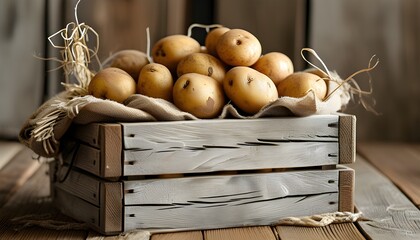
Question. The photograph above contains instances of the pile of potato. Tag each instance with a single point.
(202, 79)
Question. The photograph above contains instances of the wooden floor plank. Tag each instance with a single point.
(193, 235)
(8, 149)
(392, 215)
(14, 174)
(399, 162)
(31, 201)
(245, 233)
(343, 231)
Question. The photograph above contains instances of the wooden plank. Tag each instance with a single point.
(342, 231)
(32, 201)
(16, 173)
(79, 185)
(8, 150)
(111, 207)
(399, 162)
(234, 144)
(99, 149)
(87, 158)
(111, 150)
(211, 159)
(346, 187)
(77, 208)
(244, 233)
(191, 235)
(347, 138)
(392, 215)
(228, 200)
(229, 132)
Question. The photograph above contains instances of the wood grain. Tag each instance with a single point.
(8, 150)
(392, 215)
(242, 157)
(228, 200)
(80, 185)
(191, 235)
(15, 174)
(347, 138)
(32, 201)
(399, 162)
(343, 231)
(232, 144)
(244, 233)
(111, 207)
(346, 187)
(111, 149)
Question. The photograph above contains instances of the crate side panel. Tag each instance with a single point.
(77, 208)
(244, 157)
(229, 132)
(79, 185)
(84, 156)
(227, 201)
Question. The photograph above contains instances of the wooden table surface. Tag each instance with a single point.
(387, 192)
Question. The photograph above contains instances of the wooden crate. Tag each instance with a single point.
(206, 174)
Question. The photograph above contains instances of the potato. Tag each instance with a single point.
(171, 49)
(131, 61)
(202, 63)
(238, 47)
(212, 38)
(277, 66)
(298, 84)
(156, 81)
(249, 89)
(112, 83)
(199, 95)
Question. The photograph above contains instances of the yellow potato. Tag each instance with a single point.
(298, 84)
(238, 47)
(112, 83)
(202, 63)
(212, 38)
(131, 61)
(249, 89)
(156, 81)
(277, 66)
(199, 95)
(171, 49)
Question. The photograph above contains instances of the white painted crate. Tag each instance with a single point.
(207, 173)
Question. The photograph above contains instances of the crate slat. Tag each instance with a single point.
(280, 155)
(228, 200)
(229, 132)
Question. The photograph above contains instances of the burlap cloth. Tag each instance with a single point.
(139, 108)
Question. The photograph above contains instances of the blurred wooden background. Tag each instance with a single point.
(344, 33)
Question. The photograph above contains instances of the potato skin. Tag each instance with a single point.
(204, 64)
(156, 81)
(298, 84)
(238, 47)
(277, 66)
(212, 38)
(112, 83)
(199, 95)
(249, 89)
(130, 60)
(171, 49)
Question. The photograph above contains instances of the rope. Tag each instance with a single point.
(320, 220)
